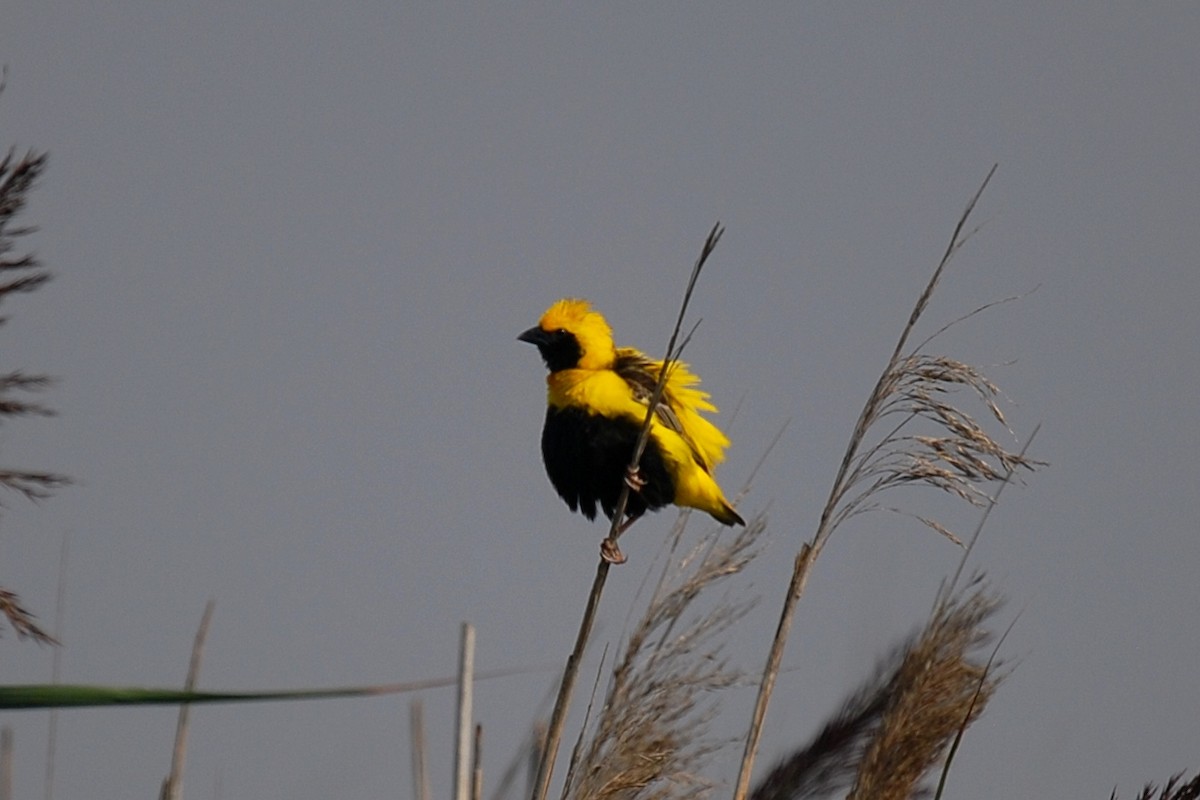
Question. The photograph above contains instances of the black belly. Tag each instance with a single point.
(586, 457)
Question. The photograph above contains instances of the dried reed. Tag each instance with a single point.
(956, 455)
(651, 738)
(17, 177)
(937, 689)
(890, 734)
(21, 273)
(172, 788)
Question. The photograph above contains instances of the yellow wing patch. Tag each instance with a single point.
(625, 391)
(681, 403)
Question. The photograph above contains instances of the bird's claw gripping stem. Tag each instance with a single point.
(610, 552)
(634, 479)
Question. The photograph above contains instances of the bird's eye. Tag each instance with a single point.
(561, 331)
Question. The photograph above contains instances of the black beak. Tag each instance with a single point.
(534, 335)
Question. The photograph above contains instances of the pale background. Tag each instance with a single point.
(293, 245)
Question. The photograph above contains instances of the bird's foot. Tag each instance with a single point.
(608, 548)
(610, 552)
(634, 479)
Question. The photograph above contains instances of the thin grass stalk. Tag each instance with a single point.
(466, 680)
(811, 550)
(889, 732)
(173, 786)
(800, 572)
(416, 735)
(60, 604)
(936, 686)
(673, 354)
(577, 750)
(982, 691)
(524, 762)
(477, 765)
(558, 717)
(6, 767)
(710, 561)
(651, 738)
(945, 595)
(562, 702)
(535, 752)
(948, 590)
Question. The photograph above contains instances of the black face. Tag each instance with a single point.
(560, 349)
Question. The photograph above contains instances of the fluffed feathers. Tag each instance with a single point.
(597, 398)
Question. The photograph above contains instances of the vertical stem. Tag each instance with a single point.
(60, 604)
(173, 785)
(558, 719)
(466, 676)
(6, 750)
(535, 755)
(845, 478)
(477, 765)
(416, 729)
(804, 561)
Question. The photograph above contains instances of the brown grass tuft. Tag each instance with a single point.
(827, 764)
(21, 273)
(956, 454)
(909, 433)
(651, 737)
(937, 689)
(894, 730)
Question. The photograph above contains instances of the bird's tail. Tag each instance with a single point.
(727, 516)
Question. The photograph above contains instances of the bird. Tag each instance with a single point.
(597, 396)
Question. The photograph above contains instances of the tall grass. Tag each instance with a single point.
(650, 736)
(890, 734)
(912, 430)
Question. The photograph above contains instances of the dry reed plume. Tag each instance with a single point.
(651, 738)
(911, 431)
(937, 690)
(894, 730)
(21, 273)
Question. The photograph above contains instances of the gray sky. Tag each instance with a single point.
(293, 247)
